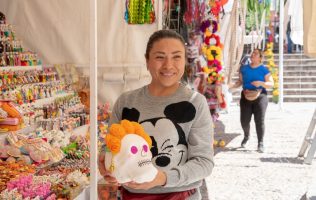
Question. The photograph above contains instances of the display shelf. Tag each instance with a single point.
(42, 83)
(23, 131)
(81, 130)
(41, 102)
(21, 68)
(26, 130)
(36, 83)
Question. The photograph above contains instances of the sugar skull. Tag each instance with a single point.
(130, 157)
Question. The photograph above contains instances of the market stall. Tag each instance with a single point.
(53, 47)
(52, 122)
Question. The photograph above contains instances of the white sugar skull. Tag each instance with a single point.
(133, 160)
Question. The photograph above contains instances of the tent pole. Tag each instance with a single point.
(281, 21)
(93, 100)
(159, 14)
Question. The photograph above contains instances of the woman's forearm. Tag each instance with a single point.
(267, 84)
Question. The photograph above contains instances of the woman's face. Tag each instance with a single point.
(166, 63)
(255, 57)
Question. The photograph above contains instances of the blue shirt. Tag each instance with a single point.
(250, 74)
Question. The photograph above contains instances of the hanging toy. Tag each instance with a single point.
(139, 11)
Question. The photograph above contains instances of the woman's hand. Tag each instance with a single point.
(257, 83)
(159, 180)
(105, 173)
(268, 83)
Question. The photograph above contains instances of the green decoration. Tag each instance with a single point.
(140, 12)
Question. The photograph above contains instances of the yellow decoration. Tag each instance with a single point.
(204, 49)
(206, 70)
(214, 53)
(275, 93)
(222, 143)
(207, 33)
(273, 70)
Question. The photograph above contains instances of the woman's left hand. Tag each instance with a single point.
(257, 83)
(159, 180)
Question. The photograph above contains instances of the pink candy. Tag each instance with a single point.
(27, 188)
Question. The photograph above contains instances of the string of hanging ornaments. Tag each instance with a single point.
(212, 51)
(139, 11)
(273, 68)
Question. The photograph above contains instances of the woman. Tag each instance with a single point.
(176, 118)
(255, 78)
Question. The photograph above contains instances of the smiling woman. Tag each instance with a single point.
(165, 59)
(177, 120)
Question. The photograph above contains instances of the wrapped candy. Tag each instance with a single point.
(29, 189)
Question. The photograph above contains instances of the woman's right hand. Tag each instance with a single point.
(105, 173)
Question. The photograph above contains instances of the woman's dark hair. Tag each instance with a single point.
(162, 34)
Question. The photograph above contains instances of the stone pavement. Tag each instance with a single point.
(277, 173)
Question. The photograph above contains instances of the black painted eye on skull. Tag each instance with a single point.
(162, 161)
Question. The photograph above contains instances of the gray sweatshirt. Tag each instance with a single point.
(181, 129)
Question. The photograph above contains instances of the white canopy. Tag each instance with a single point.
(59, 31)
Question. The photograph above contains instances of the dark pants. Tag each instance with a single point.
(289, 42)
(258, 108)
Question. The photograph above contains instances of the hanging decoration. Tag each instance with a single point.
(139, 11)
(194, 13)
(212, 51)
(215, 7)
(255, 10)
(207, 23)
(273, 70)
(206, 69)
(191, 12)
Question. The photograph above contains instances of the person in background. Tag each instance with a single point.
(176, 118)
(288, 36)
(255, 78)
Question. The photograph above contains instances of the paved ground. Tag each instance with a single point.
(277, 173)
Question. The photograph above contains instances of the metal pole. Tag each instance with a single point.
(160, 13)
(281, 22)
(93, 101)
